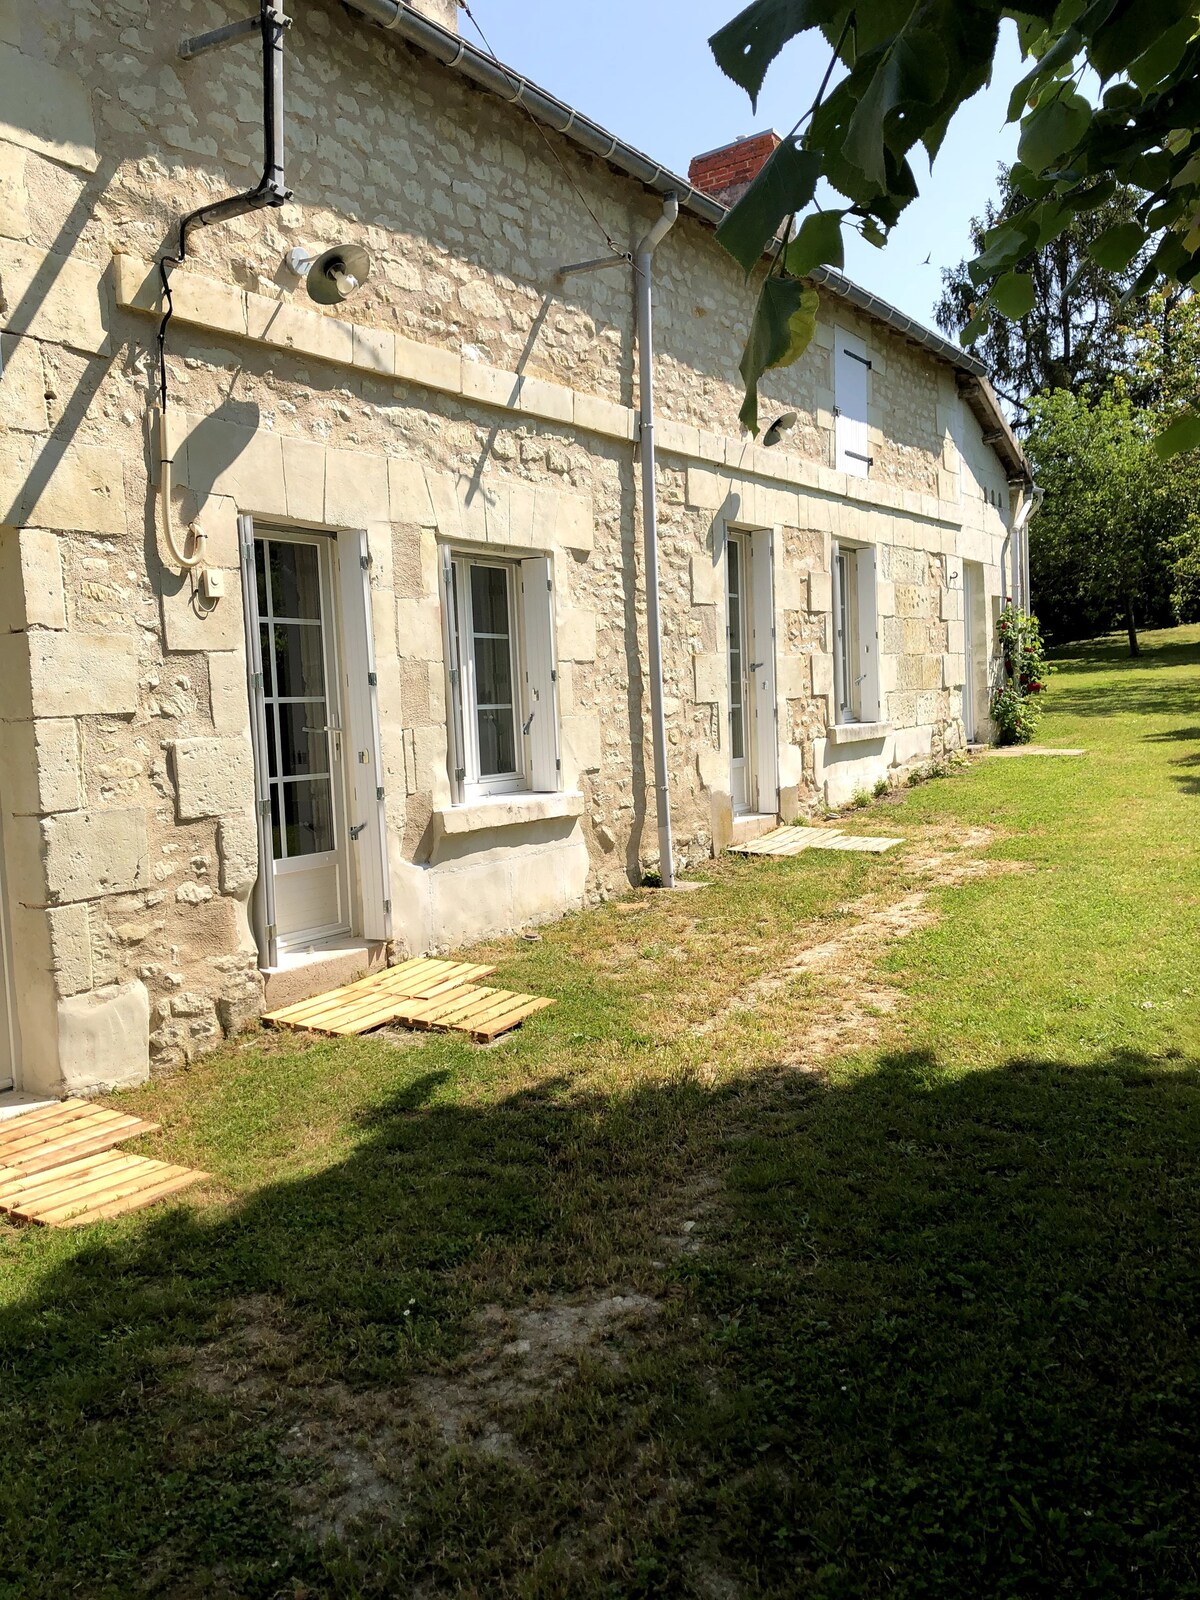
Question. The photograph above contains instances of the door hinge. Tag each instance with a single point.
(554, 675)
(373, 679)
(459, 774)
(379, 794)
(387, 908)
(264, 808)
(257, 680)
(365, 563)
(558, 763)
(272, 931)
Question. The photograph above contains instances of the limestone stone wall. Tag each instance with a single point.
(461, 396)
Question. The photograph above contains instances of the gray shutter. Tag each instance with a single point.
(263, 898)
(541, 675)
(368, 829)
(762, 576)
(456, 746)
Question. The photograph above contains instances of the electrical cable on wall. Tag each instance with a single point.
(271, 190)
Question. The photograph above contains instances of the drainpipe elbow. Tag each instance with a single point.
(660, 230)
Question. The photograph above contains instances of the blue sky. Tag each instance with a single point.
(643, 69)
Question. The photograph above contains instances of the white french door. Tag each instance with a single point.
(970, 592)
(738, 604)
(298, 719)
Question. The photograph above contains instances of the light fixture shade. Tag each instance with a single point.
(779, 427)
(336, 274)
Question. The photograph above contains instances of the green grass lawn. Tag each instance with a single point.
(906, 1229)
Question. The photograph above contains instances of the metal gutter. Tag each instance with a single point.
(452, 51)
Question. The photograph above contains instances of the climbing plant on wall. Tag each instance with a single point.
(898, 71)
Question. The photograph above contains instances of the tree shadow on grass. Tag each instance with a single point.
(1186, 769)
(937, 1338)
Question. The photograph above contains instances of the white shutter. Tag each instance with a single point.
(762, 577)
(851, 439)
(368, 816)
(868, 634)
(541, 675)
(454, 687)
(263, 898)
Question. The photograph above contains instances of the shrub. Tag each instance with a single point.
(881, 788)
(860, 798)
(1024, 671)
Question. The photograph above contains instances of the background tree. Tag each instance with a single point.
(1077, 333)
(1101, 552)
(905, 68)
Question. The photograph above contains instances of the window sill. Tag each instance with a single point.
(858, 732)
(507, 811)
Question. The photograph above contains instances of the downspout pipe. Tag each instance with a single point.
(643, 269)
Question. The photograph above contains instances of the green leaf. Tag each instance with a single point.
(873, 233)
(785, 320)
(1116, 247)
(1003, 247)
(1115, 46)
(785, 185)
(1066, 49)
(1164, 55)
(818, 243)
(1013, 295)
(1053, 128)
(910, 73)
(1183, 434)
(745, 48)
(975, 329)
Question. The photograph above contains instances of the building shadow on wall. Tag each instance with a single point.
(927, 1325)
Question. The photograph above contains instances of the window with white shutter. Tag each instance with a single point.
(499, 617)
(851, 370)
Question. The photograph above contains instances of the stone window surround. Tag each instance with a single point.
(220, 309)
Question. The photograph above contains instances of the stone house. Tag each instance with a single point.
(401, 698)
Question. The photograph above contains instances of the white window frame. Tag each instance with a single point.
(475, 786)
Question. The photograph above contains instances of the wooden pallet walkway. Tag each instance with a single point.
(58, 1165)
(423, 993)
(790, 841)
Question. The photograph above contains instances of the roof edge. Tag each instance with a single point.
(453, 51)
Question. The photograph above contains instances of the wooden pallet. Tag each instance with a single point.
(425, 993)
(370, 1002)
(58, 1166)
(483, 1013)
(92, 1188)
(791, 841)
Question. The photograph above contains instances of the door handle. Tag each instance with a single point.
(754, 665)
(355, 832)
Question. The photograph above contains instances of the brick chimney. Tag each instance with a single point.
(443, 11)
(727, 173)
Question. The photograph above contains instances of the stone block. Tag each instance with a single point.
(76, 488)
(23, 381)
(550, 401)
(822, 675)
(911, 744)
(213, 777)
(191, 626)
(708, 581)
(104, 1038)
(582, 746)
(41, 577)
(209, 304)
(711, 679)
(605, 417)
(83, 674)
(229, 694)
(70, 934)
(237, 851)
(953, 671)
(712, 767)
(356, 488)
(419, 630)
(429, 365)
(47, 109)
(45, 776)
(820, 592)
(14, 206)
(490, 385)
(577, 635)
(304, 478)
(16, 701)
(54, 298)
(574, 521)
(246, 464)
(408, 494)
(885, 598)
(89, 854)
(374, 350)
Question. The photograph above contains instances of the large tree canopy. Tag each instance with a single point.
(1077, 333)
(908, 66)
